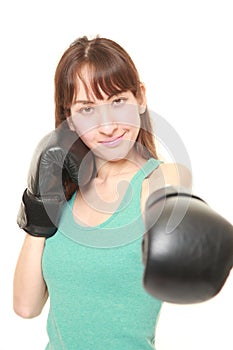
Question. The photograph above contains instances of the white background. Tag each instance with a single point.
(184, 53)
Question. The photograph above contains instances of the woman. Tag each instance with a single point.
(91, 268)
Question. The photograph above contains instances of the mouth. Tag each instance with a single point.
(114, 141)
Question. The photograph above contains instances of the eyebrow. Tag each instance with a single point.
(91, 102)
(85, 102)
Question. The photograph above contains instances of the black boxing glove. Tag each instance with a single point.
(187, 250)
(59, 153)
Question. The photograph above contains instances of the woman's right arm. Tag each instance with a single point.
(29, 291)
(58, 150)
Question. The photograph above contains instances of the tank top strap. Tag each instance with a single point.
(145, 171)
(132, 198)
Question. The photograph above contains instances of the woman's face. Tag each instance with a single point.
(109, 127)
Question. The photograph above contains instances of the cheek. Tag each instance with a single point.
(87, 138)
(83, 127)
(128, 116)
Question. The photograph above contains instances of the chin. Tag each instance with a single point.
(115, 155)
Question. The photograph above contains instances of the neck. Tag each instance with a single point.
(107, 169)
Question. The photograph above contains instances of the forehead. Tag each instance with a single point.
(86, 85)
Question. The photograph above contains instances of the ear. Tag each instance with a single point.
(142, 103)
(142, 109)
(70, 123)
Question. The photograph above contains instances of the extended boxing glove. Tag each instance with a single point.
(187, 250)
(59, 154)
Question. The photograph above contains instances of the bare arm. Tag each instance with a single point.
(30, 291)
(167, 174)
(172, 174)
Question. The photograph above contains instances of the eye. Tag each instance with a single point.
(119, 101)
(86, 110)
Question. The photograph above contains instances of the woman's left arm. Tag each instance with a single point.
(167, 174)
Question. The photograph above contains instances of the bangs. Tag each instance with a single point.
(109, 77)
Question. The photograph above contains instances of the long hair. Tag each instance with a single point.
(111, 70)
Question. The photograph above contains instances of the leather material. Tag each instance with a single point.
(187, 250)
(59, 152)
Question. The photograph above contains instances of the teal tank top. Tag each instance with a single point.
(94, 279)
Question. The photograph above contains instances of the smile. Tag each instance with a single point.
(113, 141)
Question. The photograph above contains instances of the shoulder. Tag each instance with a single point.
(166, 174)
(170, 174)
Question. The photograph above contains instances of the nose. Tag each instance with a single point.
(107, 123)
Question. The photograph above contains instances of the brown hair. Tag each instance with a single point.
(111, 70)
